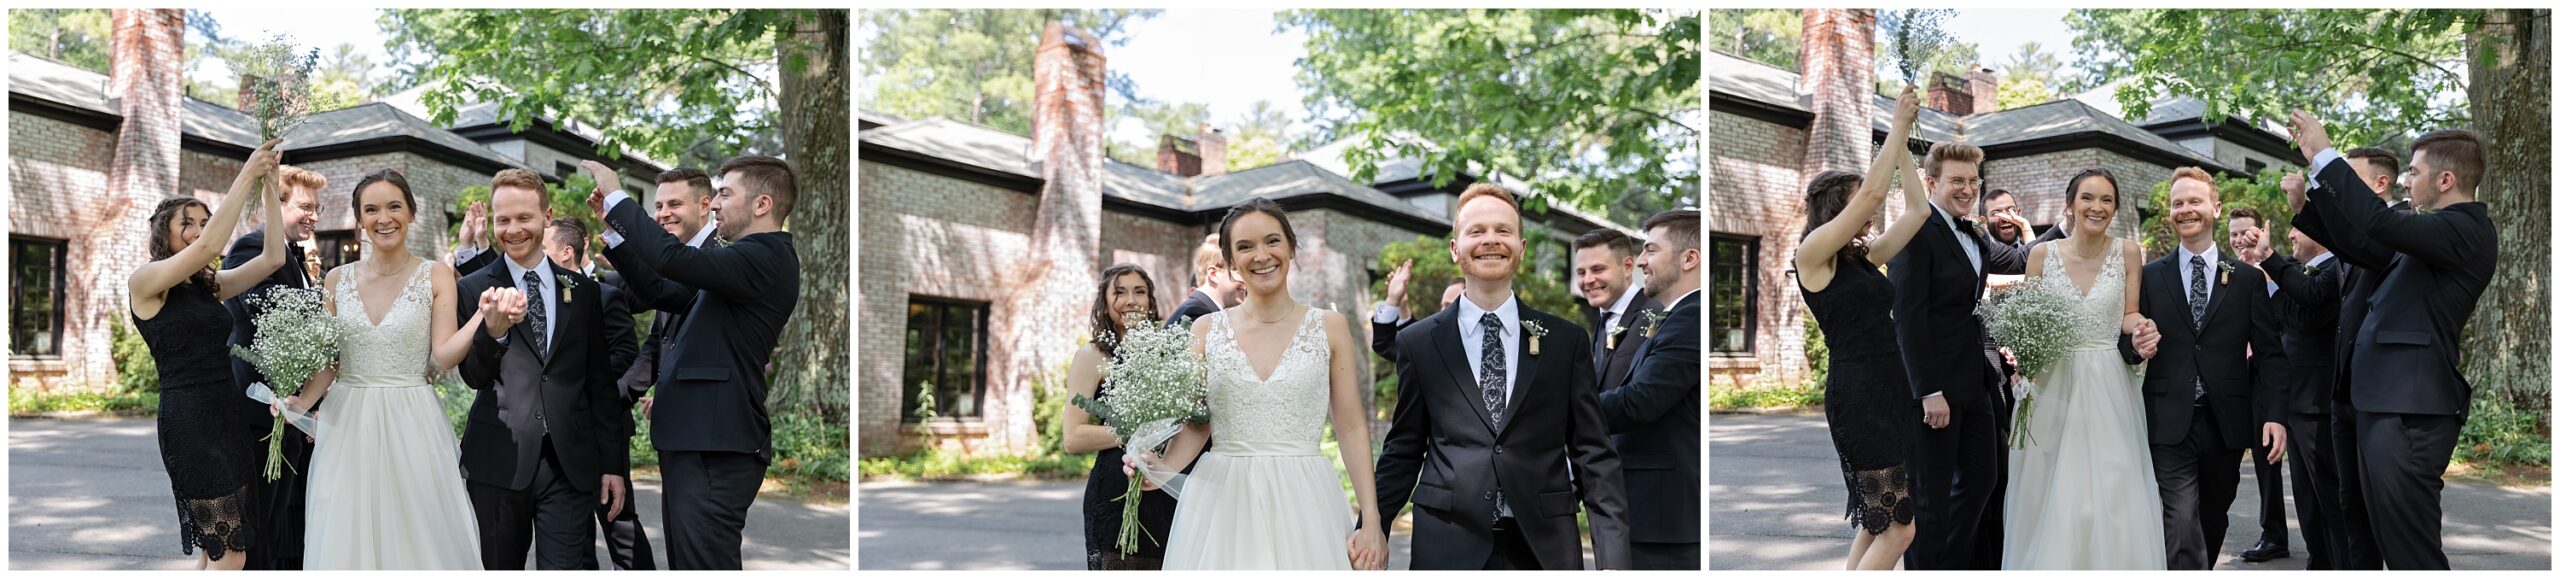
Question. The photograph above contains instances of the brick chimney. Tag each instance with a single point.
(1948, 94)
(1984, 83)
(1177, 156)
(1838, 55)
(1038, 318)
(1213, 150)
(143, 76)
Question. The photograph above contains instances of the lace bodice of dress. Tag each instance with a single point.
(2104, 303)
(395, 351)
(1289, 409)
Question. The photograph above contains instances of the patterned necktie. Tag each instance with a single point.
(533, 310)
(1600, 342)
(2195, 305)
(1491, 367)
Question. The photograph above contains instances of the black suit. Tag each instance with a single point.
(1616, 364)
(716, 439)
(2307, 302)
(1445, 454)
(279, 511)
(1382, 336)
(1956, 471)
(2403, 370)
(1653, 420)
(2354, 526)
(1197, 306)
(543, 428)
(2238, 355)
(488, 256)
(625, 542)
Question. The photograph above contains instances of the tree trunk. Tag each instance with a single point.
(2505, 348)
(811, 369)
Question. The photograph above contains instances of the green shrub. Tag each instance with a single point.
(136, 371)
(2503, 434)
(810, 449)
(936, 464)
(1764, 396)
(27, 402)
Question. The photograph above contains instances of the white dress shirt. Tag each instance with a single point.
(2187, 275)
(1971, 251)
(1471, 336)
(549, 293)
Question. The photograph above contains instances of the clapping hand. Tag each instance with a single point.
(1396, 281)
(1368, 548)
(605, 181)
(475, 224)
(2308, 132)
(2294, 188)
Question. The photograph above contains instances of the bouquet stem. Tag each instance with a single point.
(1129, 526)
(2019, 437)
(275, 450)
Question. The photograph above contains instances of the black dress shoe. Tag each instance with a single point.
(2265, 552)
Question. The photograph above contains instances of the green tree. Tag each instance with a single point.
(345, 78)
(2373, 75)
(676, 83)
(81, 37)
(1771, 36)
(1260, 137)
(972, 65)
(1160, 119)
(1956, 59)
(1598, 109)
(2027, 79)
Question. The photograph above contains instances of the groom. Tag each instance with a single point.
(1496, 398)
(2214, 388)
(1958, 463)
(542, 448)
(716, 439)
(2401, 371)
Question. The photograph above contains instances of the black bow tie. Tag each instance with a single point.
(1967, 226)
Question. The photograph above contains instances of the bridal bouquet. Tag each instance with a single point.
(2038, 322)
(1157, 385)
(296, 337)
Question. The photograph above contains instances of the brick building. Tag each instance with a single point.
(91, 154)
(980, 248)
(1772, 130)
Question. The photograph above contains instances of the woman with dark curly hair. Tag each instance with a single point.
(1126, 292)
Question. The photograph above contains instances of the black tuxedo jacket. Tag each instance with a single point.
(1620, 362)
(622, 345)
(2239, 352)
(1382, 337)
(712, 380)
(2425, 273)
(488, 256)
(1443, 454)
(244, 331)
(2307, 304)
(1654, 418)
(1193, 308)
(526, 395)
(1934, 294)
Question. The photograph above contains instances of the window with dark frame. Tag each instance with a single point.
(1733, 294)
(946, 349)
(36, 285)
(337, 248)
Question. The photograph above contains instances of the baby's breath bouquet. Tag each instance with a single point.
(2038, 322)
(296, 337)
(1157, 385)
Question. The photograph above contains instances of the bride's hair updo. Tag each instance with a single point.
(1226, 228)
(1106, 327)
(2073, 190)
(355, 197)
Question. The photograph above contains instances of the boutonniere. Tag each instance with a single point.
(2225, 266)
(566, 287)
(1653, 321)
(2310, 269)
(1614, 331)
(1535, 331)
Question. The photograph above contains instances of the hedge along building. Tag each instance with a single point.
(90, 155)
(981, 248)
(1772, 130)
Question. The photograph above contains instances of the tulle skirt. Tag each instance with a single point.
(1261, 509)
(386, 486)
(2082, 494)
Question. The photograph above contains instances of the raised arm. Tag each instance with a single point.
(247, 276)
(1915, 212)
(1408, 437)
(450, 343)
(1084, 377)
(1814, 256)
(1351, 430)
(155, 278)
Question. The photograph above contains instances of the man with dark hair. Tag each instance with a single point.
(1604, 268)
(1654, 414)
(717, 441)
(2378, 168)
(2000, 203)
(2424, 274)
(566, 242)
(2248, 240)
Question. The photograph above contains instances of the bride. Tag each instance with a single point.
(1265, 497)
(2081, 491)
(386, 490)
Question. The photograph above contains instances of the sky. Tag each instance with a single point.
(1226, 59)
(320, 26)
(1999, 33)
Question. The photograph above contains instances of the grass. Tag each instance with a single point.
(2505, 444)
(25, 402)
(942, 465)
(1763, 398)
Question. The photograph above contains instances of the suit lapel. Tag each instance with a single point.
(1454, 357)
(1524, 370)
(2213, 305)
(2163, 277)
(524, 332)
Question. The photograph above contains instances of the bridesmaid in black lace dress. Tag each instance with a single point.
(1126, 290)
(1867, 398)
(209, 430)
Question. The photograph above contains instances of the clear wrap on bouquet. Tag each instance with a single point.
(296, 337)
(2038, 322)
(1156, 385)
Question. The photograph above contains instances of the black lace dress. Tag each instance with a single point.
(209, 429)
(1867, 399)
(1103, 488)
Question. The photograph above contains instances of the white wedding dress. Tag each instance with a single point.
(2082, 494)
(1264, 496)
(386, 475)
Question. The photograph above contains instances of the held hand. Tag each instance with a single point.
(1906, 108)
(611, 495)
(1933, 412)
(647, 403)
(1396, 281)
(1368, 549)
(2308, 131)
(2271, 436)
(1129, 466)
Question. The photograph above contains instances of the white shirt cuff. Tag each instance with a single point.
(612, 239)
(1387, 314)
(2321, 161)
(465, 253)
(1934, 395)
